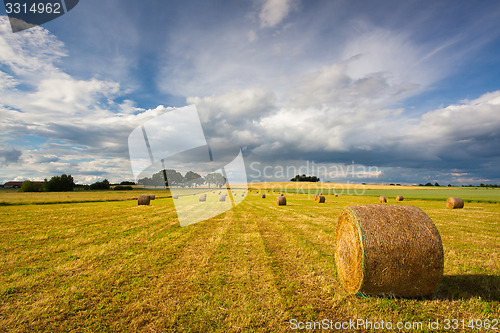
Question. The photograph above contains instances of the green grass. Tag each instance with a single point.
(473, 194)
(14, 197)
(115, 266)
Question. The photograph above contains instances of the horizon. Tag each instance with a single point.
(400, 92)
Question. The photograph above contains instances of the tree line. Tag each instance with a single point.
(304, 178)
(170, 177)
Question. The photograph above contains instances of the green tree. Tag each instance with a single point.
(62, 183)
(29, 186)
(192, 178)
(104, 185)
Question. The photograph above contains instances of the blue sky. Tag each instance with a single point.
(410, 89)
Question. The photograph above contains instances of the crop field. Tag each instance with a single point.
(98, 262)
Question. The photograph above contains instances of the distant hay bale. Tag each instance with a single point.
(382, 199)
(399, 198)
(282, 194)
(281, 200)
(321, 199)
(263, 195)
(152, 196)
(222, 197)
(203, 197)
(144, 200)
(243, 194)
(454, 203)
(336, 195)
(176, 196)
(391, 250)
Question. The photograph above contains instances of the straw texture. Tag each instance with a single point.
(391, 250)
(454, 203)
(144, 200)
(281, 201)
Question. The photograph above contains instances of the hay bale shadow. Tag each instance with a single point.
(457, 287)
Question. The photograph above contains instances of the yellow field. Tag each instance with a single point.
(116, 266)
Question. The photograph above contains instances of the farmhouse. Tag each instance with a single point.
(13, 184)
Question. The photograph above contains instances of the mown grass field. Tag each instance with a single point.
(114, 266)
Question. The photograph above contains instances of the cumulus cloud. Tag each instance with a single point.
(9, 156)
(274, 12)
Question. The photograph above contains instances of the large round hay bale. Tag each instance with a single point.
(222, 197)
(382, 199)
(321, 199)
(263, 195)
(175, 196)
(399, 198)
(454, 203)
(144, 200)
(281, 201)
(203, 197)
(392, 250)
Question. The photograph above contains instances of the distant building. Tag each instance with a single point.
(13, 185)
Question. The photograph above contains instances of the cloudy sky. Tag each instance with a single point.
(372, 91)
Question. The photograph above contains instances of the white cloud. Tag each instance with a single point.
(252, 36)
(274, 12)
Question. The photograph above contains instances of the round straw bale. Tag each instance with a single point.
(382, 199)
(222, 197)
(175, 196)
(152, 196)
(144, 200)
(336, 195)
(389, 250)
(263, 195)
(282, 194)
(399, 198)
(454, 202)
(281, 201)
(203, 197)
(321, 199)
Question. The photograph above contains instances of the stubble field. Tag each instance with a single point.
(115, 266)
